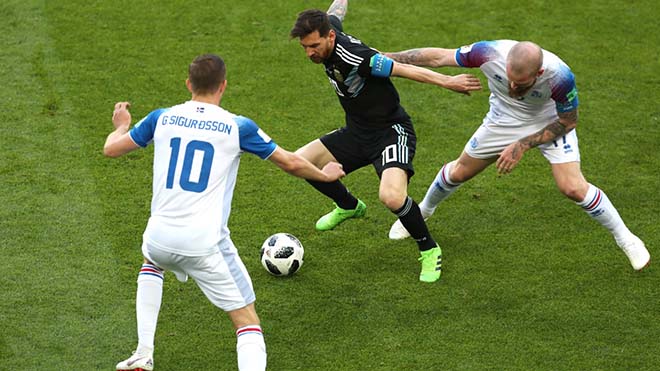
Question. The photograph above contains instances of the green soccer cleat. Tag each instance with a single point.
(338, 215)
(431, 264)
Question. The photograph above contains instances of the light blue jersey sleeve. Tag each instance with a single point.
(253, 139)
(143, 132)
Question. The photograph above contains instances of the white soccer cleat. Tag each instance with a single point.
(398, 231)
(636, 252)
(137, 362)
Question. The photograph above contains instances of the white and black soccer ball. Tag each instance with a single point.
(282, 254)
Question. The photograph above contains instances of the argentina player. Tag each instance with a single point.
(378, 130)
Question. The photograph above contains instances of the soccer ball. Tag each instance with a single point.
(282, 254)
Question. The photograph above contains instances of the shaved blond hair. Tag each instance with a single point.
(525, 58)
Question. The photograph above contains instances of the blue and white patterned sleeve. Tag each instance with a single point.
(474, 55)
(564, 91)
(143, 132)
(253, 139)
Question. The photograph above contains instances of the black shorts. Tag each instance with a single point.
(355, 148)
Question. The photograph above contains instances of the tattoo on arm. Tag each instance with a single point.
(412, 56)
(567, 121)
(548, 133)
(338, 8)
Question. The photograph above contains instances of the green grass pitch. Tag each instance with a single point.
(530, 282)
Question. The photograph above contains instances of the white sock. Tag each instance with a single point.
(147, 306)
(441, 188)
(598, 206)
(251, 348)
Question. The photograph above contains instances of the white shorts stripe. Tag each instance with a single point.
(402, 143)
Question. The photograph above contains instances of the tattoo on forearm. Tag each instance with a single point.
(548, 133)
(570, 116)
(412, 56)
(338, 9)
(517, 151)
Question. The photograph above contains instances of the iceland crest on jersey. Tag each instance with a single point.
(474, 143)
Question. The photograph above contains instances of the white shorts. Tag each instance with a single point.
(221, 276)
(490, 140)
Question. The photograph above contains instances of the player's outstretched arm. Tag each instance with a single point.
(463, 83)
(119, 141)
(426, 57)
(513, 153)
(299, 166)
(338, 9)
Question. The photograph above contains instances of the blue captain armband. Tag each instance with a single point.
(381, 66)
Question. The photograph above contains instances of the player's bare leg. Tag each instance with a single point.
(393, 193)
(595, 202)
(346, 205)
(147, 305)
(250, 345)
(450, 177)
(316, 153)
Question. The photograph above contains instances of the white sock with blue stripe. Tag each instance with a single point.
(441, 188)
(147, 305)
(251, 348)
(598, 206)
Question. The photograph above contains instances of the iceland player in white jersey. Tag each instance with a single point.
(533, 103)
(197, 146)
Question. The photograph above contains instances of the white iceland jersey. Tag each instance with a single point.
(197, 147)
(554, 91)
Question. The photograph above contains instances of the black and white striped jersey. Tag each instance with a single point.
(369, 101)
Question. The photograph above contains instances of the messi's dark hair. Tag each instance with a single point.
(309, 21)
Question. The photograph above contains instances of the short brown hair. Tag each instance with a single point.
(206, 73)
(309, 21)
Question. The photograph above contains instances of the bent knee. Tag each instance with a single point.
(575, 192)
(392, 200)
(457, 177)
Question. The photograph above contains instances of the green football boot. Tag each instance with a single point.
(338, 215)
(431, 264)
